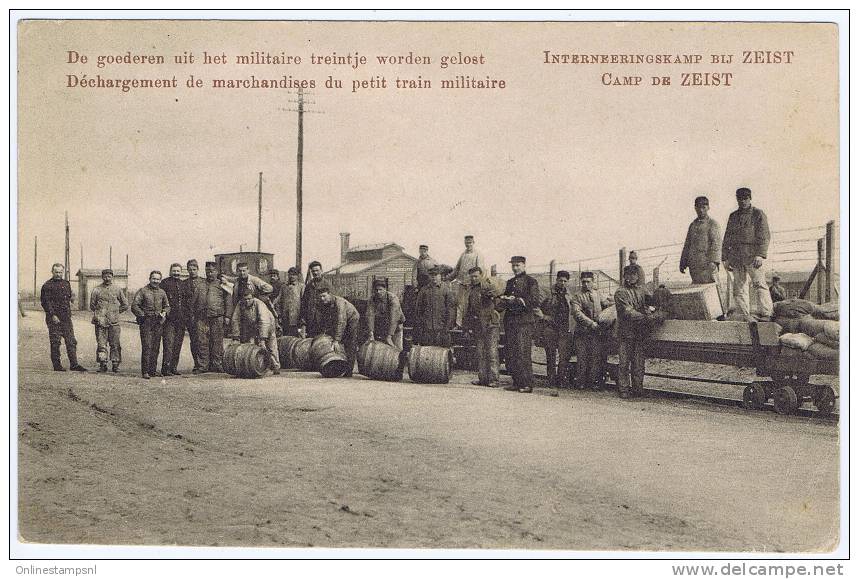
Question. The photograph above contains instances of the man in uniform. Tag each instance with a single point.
(150, 306)
(702, 250)
(633, 261)
(482, 320)
(56, 297)
(339, 319)
(289, 305)
(219, 301)
(276, 285)
(253, 322)
(470, 258)
(436, 308)
(194, 300)
(423, 266)
(520, 301)
(107, 302)
(744, 249)
(384, 316)
(589, 343)
(174, 326)
(635, 320)
(777, 291)
(557, 339)
(310, 300)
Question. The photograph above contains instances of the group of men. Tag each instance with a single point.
(249, 308)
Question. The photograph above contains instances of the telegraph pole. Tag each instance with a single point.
(110, 257)
(298, 193)
(67, 275)
(259, 216)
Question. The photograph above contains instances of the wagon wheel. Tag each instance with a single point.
(825, 400)
(785, 401)
(754, 397)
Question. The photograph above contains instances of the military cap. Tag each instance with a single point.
(469, 238)
(744, 193)
(586, 275)
(313, 264)
(517, 259)
(423, 246)
(104, 271)
(702, 200)
(776, 278)
(564, 274)
(211, 264)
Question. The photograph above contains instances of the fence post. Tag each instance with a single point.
(552, 271)
(493, 271)
(729, 290)
(830, 234)
(655, 277)
(820, 268)
(621, 254)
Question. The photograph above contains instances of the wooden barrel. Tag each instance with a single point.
(328, 359)
(430, 364)
(230, 357)
(285, 346)
(379, 361)
(300, 356)
(251, 361)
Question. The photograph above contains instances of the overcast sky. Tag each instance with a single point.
(556, 165)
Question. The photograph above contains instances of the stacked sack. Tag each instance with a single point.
(801, 319)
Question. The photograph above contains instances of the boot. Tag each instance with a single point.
(102, 367)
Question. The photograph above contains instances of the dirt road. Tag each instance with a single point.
(300, 461)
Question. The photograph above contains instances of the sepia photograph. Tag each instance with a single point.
(529, 284)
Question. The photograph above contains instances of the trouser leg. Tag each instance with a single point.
(550, 344)
(350, 344)
(482, 353)
(521, 351)
(174, 335)
(201, 331)
(101, 348)
(461, 303)
(582, 374)
(741, 290)
(596, 360)
(511, 345)
(71, 342)
(194, 342)
(492, 336)
(114, 334)
(54, 337)
(216, 343)
(145, 347)
(565, 352)
(637, 366)
(624, 354)
(398, 337)
(762, 290)
(702, 274)
(273, 354)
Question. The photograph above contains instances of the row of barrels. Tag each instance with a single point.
(376, 360)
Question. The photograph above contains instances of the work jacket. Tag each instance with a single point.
(631, 311)
(587, 306)
(337, 316)
(56, 297)
(219, 302)
(384, 315)
(149, 301)
(309, 303)
(194, 297)
(557, 310)
(173, 286)
(468, 260)
(422, 270)
(253, 321)
(260, 287)
(703, 244)
(746, 236)
(481, 312)
(525, 289)
(434, 306)
(107, 302)
(289, 304)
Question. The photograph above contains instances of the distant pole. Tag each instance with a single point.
(621, 255)
(552, 271)
(110, 257)
(830, 234)
(66, 263)
(35, 265)
(126, 264)
(298, 192)
(820, 268)
(259, 216)
(82, 256)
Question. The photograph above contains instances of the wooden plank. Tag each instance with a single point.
(704, 332)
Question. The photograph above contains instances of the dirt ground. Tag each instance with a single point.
(301, 461)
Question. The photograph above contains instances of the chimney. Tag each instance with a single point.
(344, 246)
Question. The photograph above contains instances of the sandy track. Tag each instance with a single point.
(302, 461)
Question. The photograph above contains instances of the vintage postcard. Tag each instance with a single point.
(531, 285)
